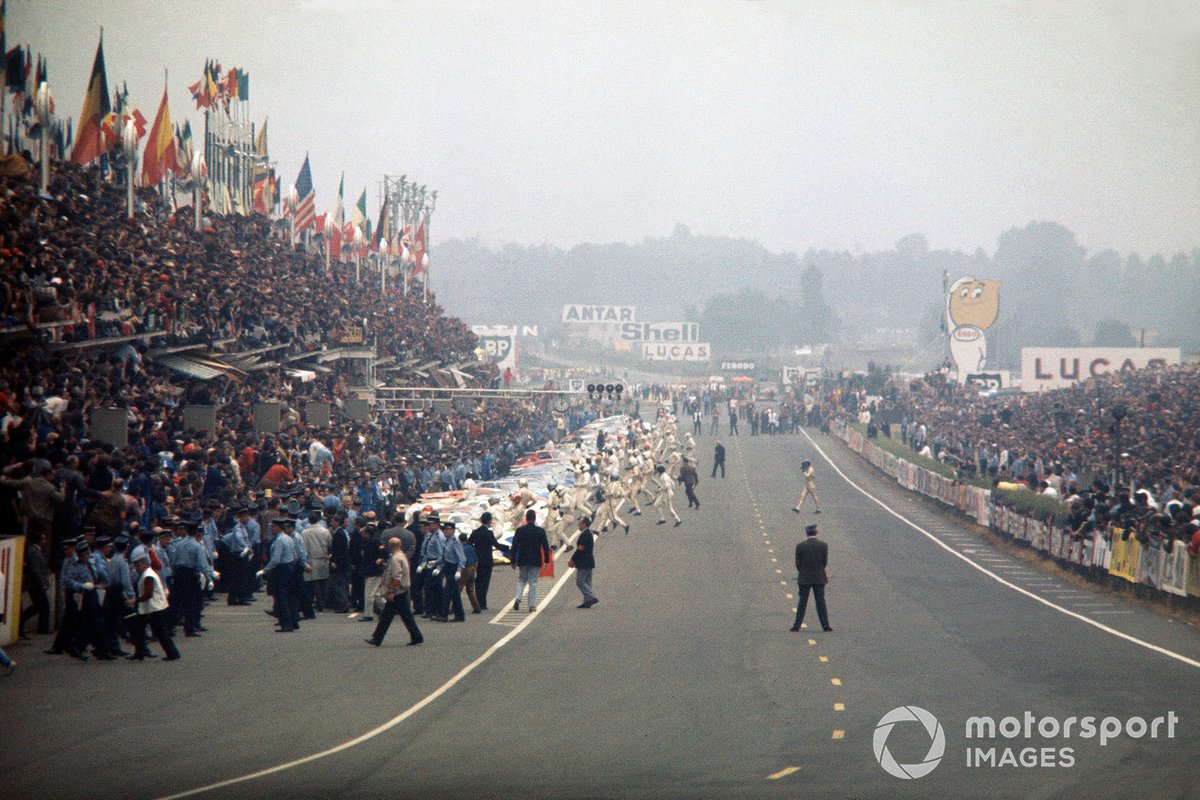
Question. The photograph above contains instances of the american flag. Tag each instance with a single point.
(306, 213)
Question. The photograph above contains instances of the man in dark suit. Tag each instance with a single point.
(484, 542)
(719, 459)
(530, 550)
(584, 561)
(811, 557)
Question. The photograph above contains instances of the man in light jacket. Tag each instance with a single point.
(393, 589)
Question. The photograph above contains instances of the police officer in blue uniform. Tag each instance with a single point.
(283, 565)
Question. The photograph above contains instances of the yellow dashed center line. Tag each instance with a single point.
(838, 733)
(783, 773)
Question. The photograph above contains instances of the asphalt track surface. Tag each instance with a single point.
(684, 682)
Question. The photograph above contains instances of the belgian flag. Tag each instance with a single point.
(89, 139)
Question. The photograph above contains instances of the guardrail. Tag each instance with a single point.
(1115, 556)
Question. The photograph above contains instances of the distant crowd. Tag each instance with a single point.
(1065, 444)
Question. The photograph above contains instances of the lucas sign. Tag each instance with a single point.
(666, 351)
(1045, 368)
(582, 313)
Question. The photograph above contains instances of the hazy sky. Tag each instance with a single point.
(800, 124)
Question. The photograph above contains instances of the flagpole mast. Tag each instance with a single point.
(424, 253)
(130, 137)
(42, 105)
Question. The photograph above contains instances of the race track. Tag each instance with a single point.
(684, 682)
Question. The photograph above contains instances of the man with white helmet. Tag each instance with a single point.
(664, 491)
(555, 520)
(615, 494)
(522, 500)
(810, 488)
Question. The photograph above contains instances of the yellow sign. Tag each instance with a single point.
(12, 559)
(1125, 555)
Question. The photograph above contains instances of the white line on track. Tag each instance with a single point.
(1191, 662)
(391, 723)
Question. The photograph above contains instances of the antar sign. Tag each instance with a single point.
(1045, 368)
(582, 313)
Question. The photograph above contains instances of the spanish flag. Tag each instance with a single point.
(161, 154)
(89, 140)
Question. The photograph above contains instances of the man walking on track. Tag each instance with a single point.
(812, 555)
(689, 479)
(394, 588)
(810, 488)
(584, 561)
(719, 460)
(530, 549)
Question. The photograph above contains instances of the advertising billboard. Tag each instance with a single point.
(660, 331)
(576, 312)
(971, 308)
(686, 351)
(499, 343)
(1045, 368)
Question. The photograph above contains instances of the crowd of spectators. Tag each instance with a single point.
(74, 273)
(1121, 451)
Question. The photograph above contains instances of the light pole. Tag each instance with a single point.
(129, 139)
(199, 169)
(43, 101)
(359, 238)
(425, 253)
(1119, 411)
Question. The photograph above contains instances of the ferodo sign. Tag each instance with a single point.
(582, 313)
(1045, 368)
(660, 331)
(666, 351)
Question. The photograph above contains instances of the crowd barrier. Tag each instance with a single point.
(12, 557)
(1102, 557)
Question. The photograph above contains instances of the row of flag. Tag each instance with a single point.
(214, 90)
(104, 121)
(21, 78)
(354, 236)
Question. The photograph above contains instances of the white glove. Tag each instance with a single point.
(259, 574)
(245, 552)
(217, 575)
(88, 586)
(437, 572)
(420, 567)
(458, 575)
